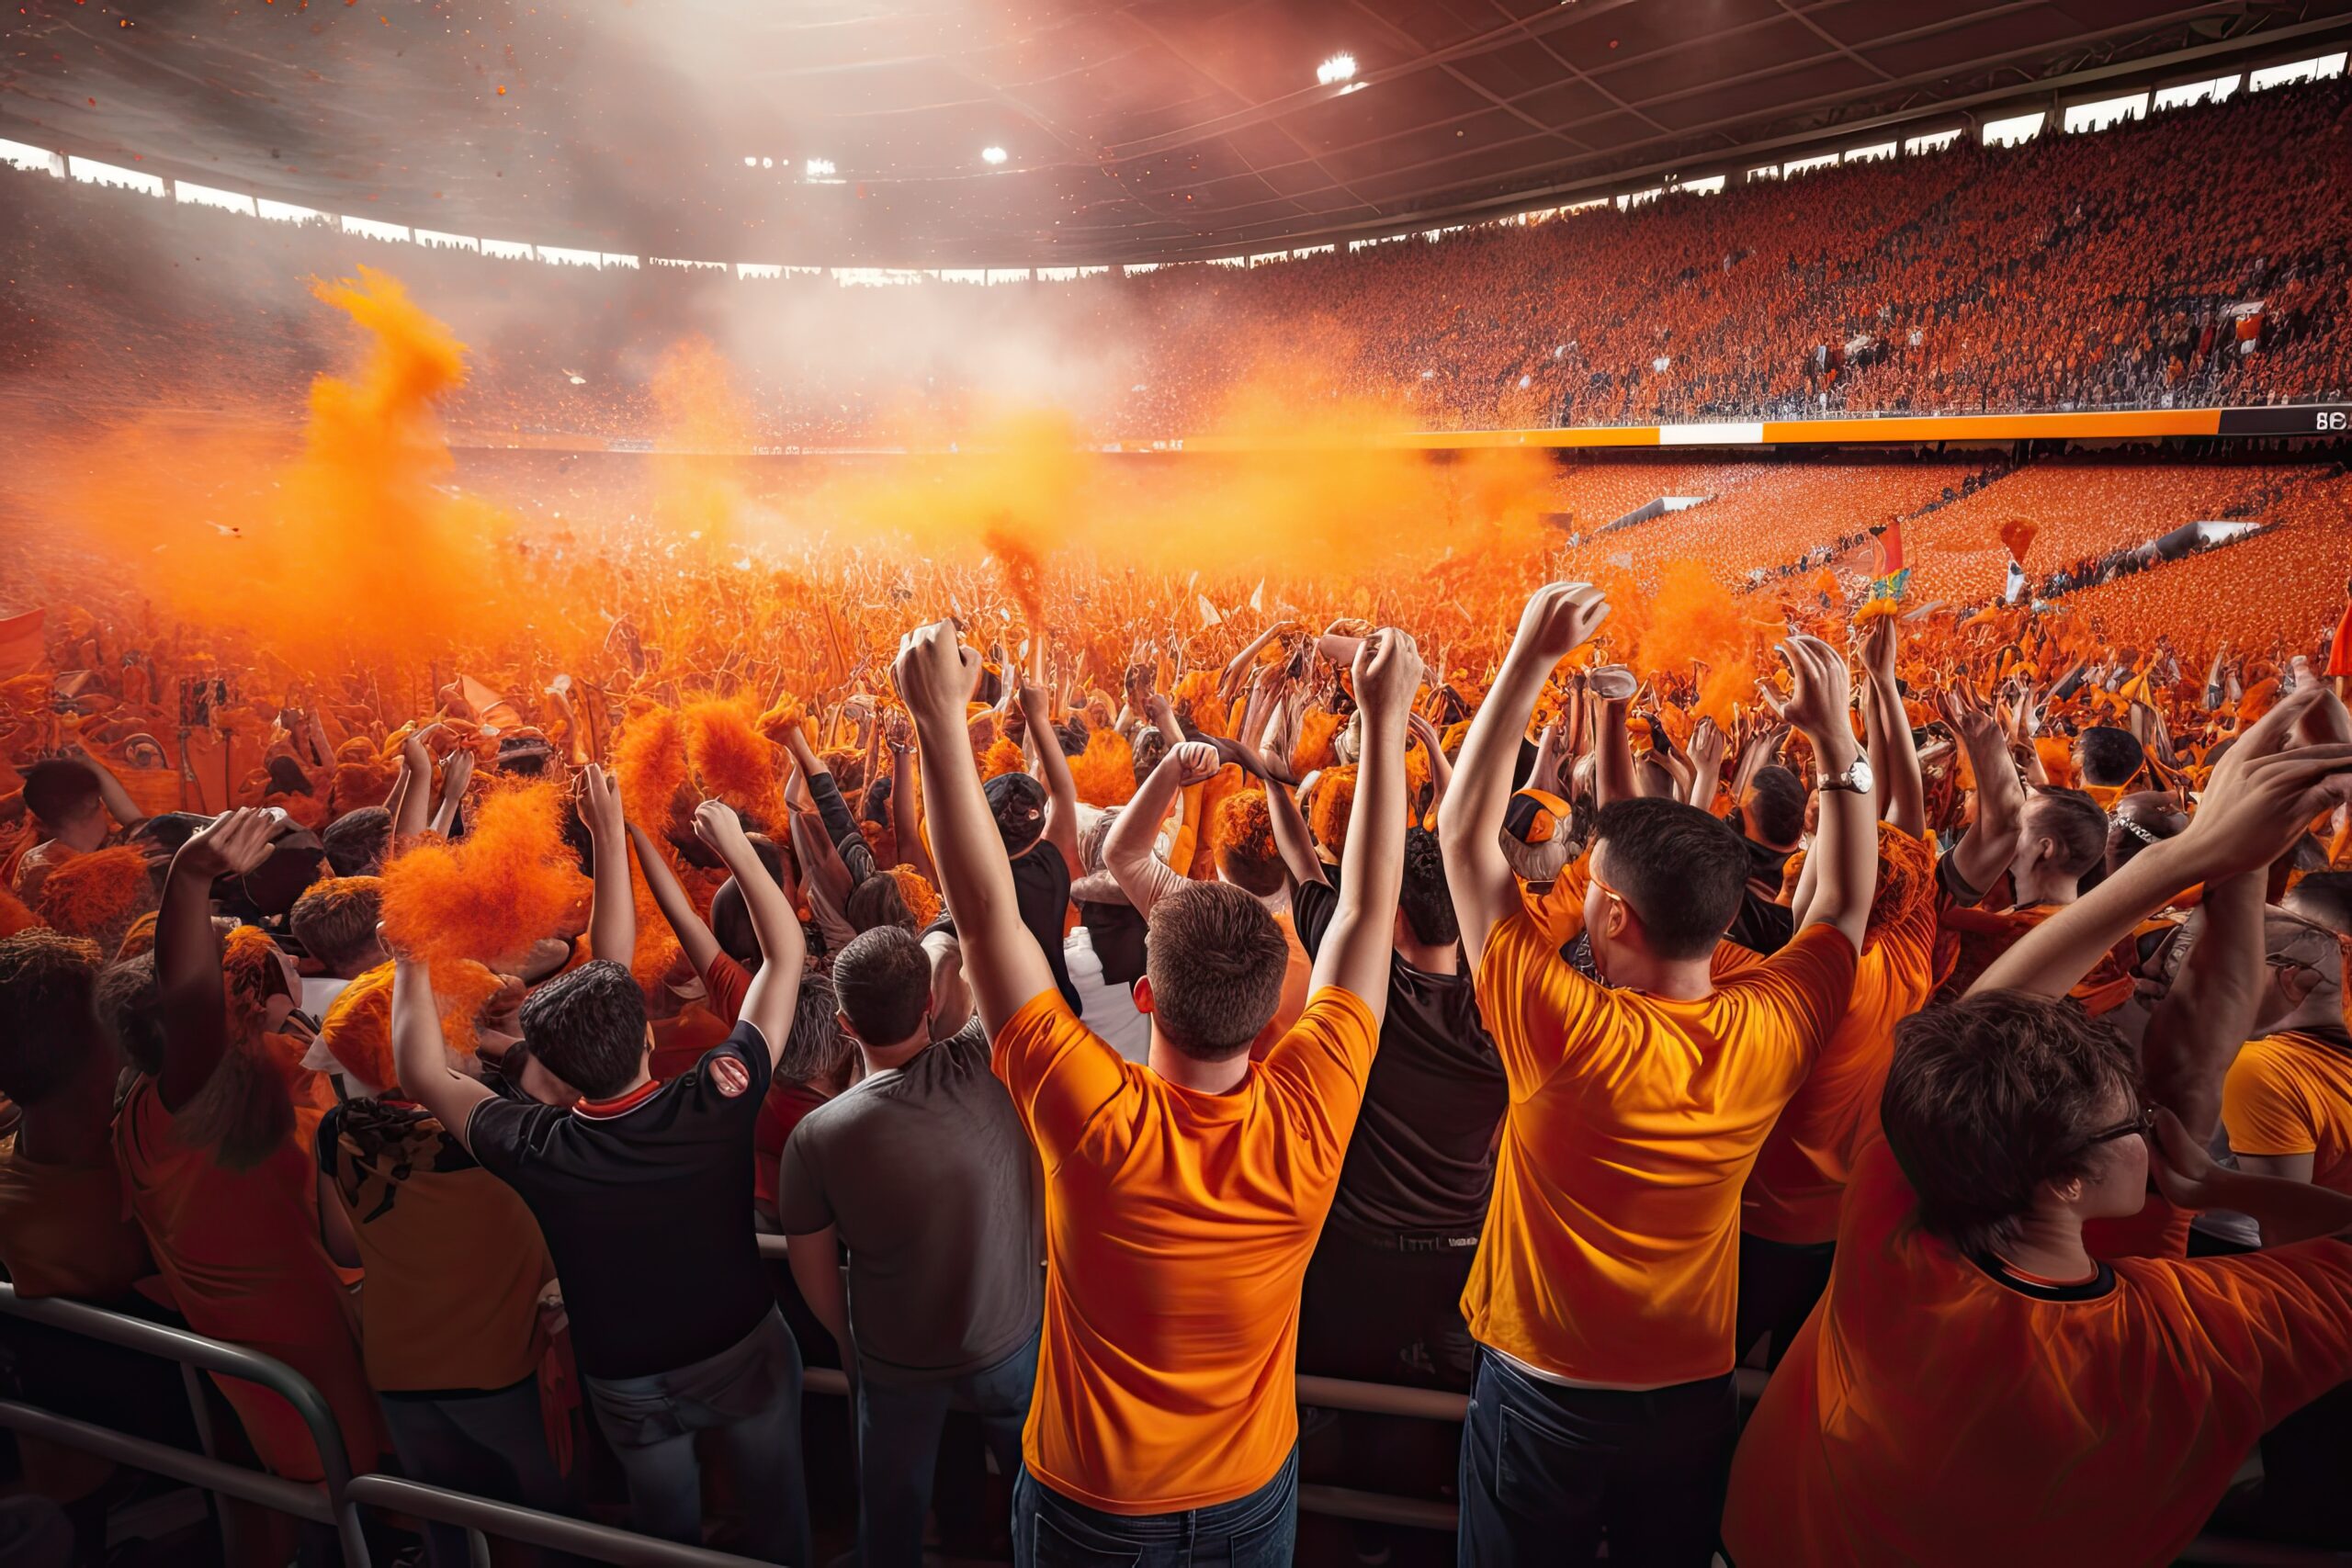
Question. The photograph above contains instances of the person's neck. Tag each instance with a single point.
(2049, 1245)
(1431, 958)
(1671, 979)
(1186, 1071)
(2041, 887)
(66, 1133)
(884, 1058)
(85, 834)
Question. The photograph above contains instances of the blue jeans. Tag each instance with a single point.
(897, 1447)
(748, 1397)
(1255, 1531)
(493, 1445)
(1547, 1469)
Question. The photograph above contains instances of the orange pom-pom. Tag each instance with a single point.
(1197, 703)
(1334, 801)
(97, 895)
(508, 883)
(649, 760)
(1317, 729)
(732, 761)
(140, 939)
(1002, 757)
(1105, 771)
(923, 899)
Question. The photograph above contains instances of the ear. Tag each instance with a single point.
(1143, 994)
(842, 1019)
(1619, 917)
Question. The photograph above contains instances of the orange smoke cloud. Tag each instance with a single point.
(511, 881)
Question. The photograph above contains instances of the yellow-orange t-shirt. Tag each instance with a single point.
(1178, 1229)
(1611, 1253)
(2291, 1094)
(1930, 1413)
(1792, 1194)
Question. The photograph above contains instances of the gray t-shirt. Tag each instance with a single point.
(933, 1187)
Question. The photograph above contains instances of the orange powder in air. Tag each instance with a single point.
(733, 761)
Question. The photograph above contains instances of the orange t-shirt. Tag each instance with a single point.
(1930, 1414)
(1178, 1230)
(241, 1251)
(63, 1232)
(1296, 975)
(1792, 1194)
(1612, 1248)
(2291, 1094)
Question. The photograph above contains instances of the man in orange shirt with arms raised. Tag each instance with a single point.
(1182, 1198)
(1603, 1292)
(1970, 1350)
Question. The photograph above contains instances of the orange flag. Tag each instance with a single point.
(2018, 534)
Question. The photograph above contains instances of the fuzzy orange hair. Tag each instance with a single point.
(97, 895)
(367, 781)
(1198, 702)
(1334, 802)
(140, 939)
(14, 916)
(1105, 771)
(1243, 825)
(923, 899)
(1907, 876)
(509, 882)
(1002, 757)
(358, 1029)
(732, 761)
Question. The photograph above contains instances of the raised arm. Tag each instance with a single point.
(416, 801)
(2253, 810)
(935, 675)
(456, 773)
(612, 911)
(847, 844)
(1991, 842)
(1127, 853)
(2284, 1210)
(694, 936)
(421, 1056)
(1434, 744)
(1291, 840)
(1558, 620)
(1707, 746)
(190, 992)
(1844, 861)
(783, 951)
(1361, 936)
(117, 799)
(906, 813)
(2195, 1032)
(1901, 791)
(1613, 743)
(1061, 790)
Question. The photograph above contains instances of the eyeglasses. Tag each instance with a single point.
(1594, 878)
(2142, 1121)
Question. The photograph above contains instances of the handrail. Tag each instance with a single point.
(192, 1349)
(556, 1532)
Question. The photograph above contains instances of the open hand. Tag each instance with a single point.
(1561, 617)
(231, 843)
(600, 804)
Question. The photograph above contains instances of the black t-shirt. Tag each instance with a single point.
(646, 1204)
(1422, 1157)
(1762, 925)
(1041, 892)
(1118, 933)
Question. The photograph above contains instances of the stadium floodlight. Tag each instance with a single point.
(768, 163)
(992, 156)
(816, 169)
(1339, 68)
(751, 162)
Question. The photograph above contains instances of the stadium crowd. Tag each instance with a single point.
(1115, 1022)
(2073, 272)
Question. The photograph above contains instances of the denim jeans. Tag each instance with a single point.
(748, 1397)
(897, 1447)
(1255, 1531)
(493, 1445)
(1546, 1470)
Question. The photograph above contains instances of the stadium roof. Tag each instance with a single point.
(862, 131)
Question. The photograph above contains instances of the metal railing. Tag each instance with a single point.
(338, 1500)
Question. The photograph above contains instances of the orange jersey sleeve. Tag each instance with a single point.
(2291, 1094)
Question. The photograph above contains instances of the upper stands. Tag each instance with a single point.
(2074, 271)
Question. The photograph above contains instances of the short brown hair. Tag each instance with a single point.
(1992, 1096)
(1216, 961)
(335, 920)
(1241, 834)
(49, 988)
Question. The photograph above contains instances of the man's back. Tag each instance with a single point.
(1179, 1225)
(2099, 1422)
(926, 1173)
(646, 1204)
(1609, 1251)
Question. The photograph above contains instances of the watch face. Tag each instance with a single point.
(1861, 775)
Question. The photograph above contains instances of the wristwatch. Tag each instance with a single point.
(1858, 778)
